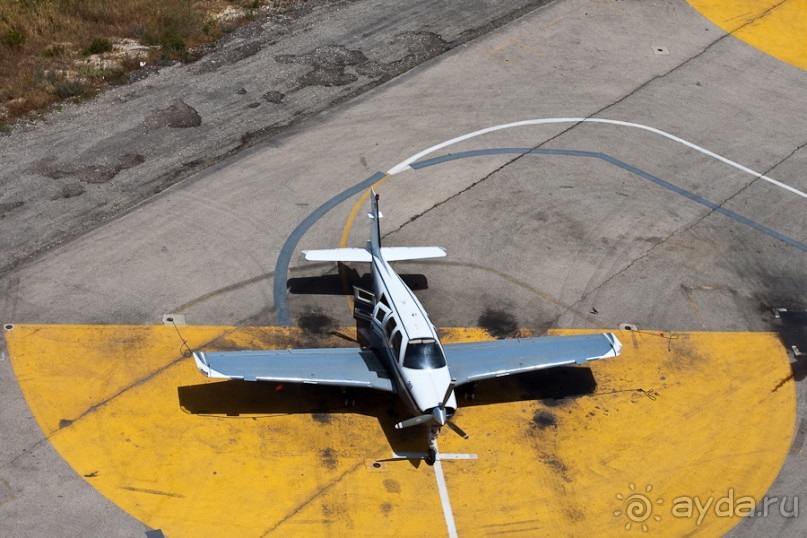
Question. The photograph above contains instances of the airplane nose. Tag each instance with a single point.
(440, 415)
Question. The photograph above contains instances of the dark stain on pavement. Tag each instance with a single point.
(498, 323)
(322, 418)
(392, 486)
(329, 459)
(544, 419)
(792, 329)
(317, 323)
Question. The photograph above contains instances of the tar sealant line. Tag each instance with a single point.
(444, 500)
(405, 165)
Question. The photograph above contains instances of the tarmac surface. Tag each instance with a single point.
(666, 224)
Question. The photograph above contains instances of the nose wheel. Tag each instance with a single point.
(431, 454)
(437, 418)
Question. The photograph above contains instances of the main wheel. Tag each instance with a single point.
(431, 456)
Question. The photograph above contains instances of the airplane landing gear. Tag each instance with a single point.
(431, 454)
(469, 392)
(350, 399)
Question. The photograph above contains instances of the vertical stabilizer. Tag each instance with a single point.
(375, 235)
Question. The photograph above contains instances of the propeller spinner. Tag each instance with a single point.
(438, 416)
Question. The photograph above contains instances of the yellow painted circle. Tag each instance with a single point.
(700, 416)
(772, 26)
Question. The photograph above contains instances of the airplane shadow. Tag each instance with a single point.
(267, 399)
(342, 283)
(236, 398)
(551, 386)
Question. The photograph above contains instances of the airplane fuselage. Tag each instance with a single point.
(403, 333)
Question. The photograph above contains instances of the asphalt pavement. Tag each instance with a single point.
(570, 224)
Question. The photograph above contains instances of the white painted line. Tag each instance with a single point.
(440, 456)
(441, 486)
(450, 456)
(404, 165)
(408, 455)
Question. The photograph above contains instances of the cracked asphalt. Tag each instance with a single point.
(87, 163)
(194, 225)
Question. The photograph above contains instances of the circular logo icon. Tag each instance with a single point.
(638, 507)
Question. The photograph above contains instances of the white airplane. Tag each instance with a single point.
(405, 355)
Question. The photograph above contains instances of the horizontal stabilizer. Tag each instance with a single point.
(391, 254)
(338, 255)
(396, 254)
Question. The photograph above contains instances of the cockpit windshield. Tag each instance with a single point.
(423, 355)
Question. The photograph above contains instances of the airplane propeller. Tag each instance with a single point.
(438, 416)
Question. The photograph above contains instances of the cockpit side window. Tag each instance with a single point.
(396, 344)
(380, 313)
(390, 326)
(423, 354)
(383, 300)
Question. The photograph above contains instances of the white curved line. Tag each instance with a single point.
(405, 165)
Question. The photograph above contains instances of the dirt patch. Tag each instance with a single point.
(90, 173)
(236, 54)
(71, 190)
(5, 207)
(559, 467)
(328, 458)
(274, 97)
(418, 47)
(392, 486)
(6, 494)
(227, 53)
(179, 115)
(329, 64)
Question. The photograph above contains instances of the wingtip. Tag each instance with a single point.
(201, 362)
(616, 345)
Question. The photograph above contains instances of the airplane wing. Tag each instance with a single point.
(497, 358)
(346, 367)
